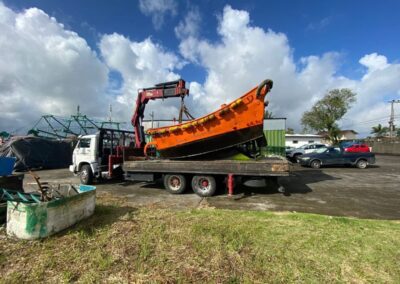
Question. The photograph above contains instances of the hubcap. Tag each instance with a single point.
(204, 184)
(84, 174)
(175, 183)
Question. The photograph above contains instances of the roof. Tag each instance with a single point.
(342, 132)
(352, 131)
(303, 135)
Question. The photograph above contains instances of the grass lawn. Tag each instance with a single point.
(121, 244)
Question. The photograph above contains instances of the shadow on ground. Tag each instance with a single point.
(297, 183)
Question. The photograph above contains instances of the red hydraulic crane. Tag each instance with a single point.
(159, 91)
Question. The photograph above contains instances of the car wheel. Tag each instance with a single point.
(86, 175)
(175, 184)
(295, 157)
(361, 164)
(316, 164)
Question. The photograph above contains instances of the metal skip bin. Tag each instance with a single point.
(42, 219)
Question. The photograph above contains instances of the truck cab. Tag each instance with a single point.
(85, 158)
(100, 155)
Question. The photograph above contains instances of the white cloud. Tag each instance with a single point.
(141, 64)
(190, 25)
(158, 9)
(244, 55)
(374, 61)
(320, 25)
(45, 68)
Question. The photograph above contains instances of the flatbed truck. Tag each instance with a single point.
(110, 154)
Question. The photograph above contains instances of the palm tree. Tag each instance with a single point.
(268, 114)
(379, 130)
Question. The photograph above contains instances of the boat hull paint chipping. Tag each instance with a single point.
(38, 220)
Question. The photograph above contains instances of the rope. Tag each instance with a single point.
(184, 110)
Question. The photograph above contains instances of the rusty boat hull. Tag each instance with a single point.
(233, 124)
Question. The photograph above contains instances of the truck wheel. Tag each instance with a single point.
(175, 184)
(86, 175)
(316, 164)
(361, 164)
(204, 186)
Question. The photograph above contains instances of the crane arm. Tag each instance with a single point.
(160, 91)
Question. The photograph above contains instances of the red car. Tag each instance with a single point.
(357, 148)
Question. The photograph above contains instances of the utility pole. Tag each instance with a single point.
(152, 118)
(391, 121)
(110, 114)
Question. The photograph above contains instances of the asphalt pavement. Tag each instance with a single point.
(364, 193)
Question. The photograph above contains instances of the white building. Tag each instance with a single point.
(343, 135)
(297, 140)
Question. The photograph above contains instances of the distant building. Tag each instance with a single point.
(297, 140)
(343, 135)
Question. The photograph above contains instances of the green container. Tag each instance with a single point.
(31, 221)
(274, 132)
(275, 142)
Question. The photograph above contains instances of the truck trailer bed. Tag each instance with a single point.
(264, 167)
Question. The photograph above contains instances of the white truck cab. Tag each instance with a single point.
(100, 155)
(85, 158)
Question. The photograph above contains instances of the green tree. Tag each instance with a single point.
(325, 113)
(4, 134)
(290, 130)
(379, 130)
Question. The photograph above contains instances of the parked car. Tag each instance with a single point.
(289, 148)
(338, 157)
(305, 149)
(357, 148)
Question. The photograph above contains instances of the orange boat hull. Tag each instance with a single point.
(233, 124)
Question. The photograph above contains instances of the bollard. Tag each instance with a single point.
(230, 184)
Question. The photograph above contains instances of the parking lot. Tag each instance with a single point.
(370, 193)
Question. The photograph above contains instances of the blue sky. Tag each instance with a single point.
(329, 43)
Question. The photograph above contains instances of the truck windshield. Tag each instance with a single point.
(84, 143)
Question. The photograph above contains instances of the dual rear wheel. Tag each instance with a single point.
(202, 185)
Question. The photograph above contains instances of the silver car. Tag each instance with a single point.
(305, 149)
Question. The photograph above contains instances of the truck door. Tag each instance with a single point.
(335, 157)
(84, 151)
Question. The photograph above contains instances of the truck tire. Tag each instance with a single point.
(315, 164)
(361, 164)
(174, 183)
(86, 175)
(204, 186)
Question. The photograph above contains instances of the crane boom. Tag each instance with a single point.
(159, 91)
